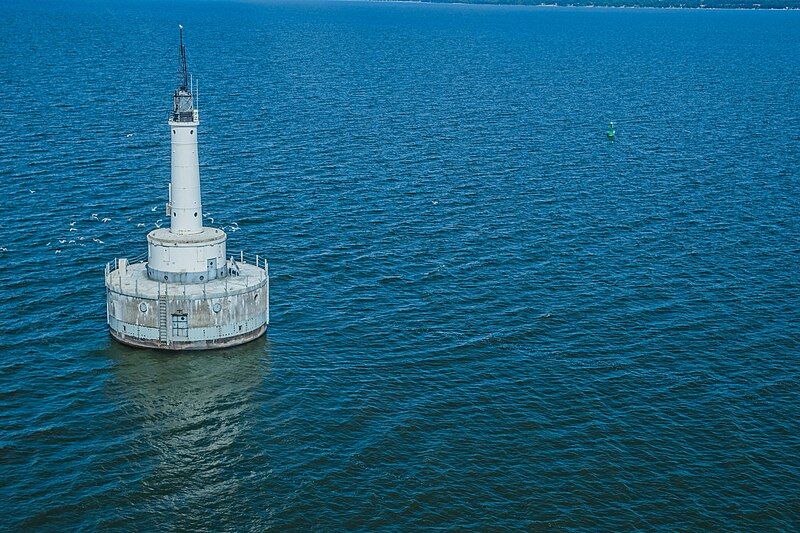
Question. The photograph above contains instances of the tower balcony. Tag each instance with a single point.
(191, 116)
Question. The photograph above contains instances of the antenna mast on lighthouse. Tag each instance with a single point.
(184, 67)
(183, 109)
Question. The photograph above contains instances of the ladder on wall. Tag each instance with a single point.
(162, 318)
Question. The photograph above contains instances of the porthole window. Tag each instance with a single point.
(166, 277)
(255, 296)
(202, 278)
(195, 214)
(191, 132)
(143, 307)
(173, 131)
(217, 307)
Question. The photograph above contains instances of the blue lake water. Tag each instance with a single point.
(484, 313)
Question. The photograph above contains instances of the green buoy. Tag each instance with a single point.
(611, 133)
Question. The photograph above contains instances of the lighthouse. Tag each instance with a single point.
(189, 292)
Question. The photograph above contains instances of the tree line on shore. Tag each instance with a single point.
(729, 4)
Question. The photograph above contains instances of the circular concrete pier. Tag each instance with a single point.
(178, 316)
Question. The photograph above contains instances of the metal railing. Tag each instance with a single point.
(111, 266)
(249, 259)
(241, 257)
(182, 116)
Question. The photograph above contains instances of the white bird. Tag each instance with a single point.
(58, 251)
(98, 241)
(106, 219)
(71, 241)
(154, 208)
(73, 229)
(94, 216)
(206, 214)
(48, 244)
(129, 135)
(3, 249)
(62, 241)
(140, 225)
(211, 219)
(72, 223)
(80, 238)
(31, 191)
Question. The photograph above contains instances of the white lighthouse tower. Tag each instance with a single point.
(189, 294)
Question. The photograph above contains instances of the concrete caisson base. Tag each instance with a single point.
(191, 345)
(220, 313)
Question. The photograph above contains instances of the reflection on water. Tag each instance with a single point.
(192, 411)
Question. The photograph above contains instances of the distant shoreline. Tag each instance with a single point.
(704, 7)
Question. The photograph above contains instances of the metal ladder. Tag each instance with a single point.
(162, 318)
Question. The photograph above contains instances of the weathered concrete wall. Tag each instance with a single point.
(195, 345)
(211, 317)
